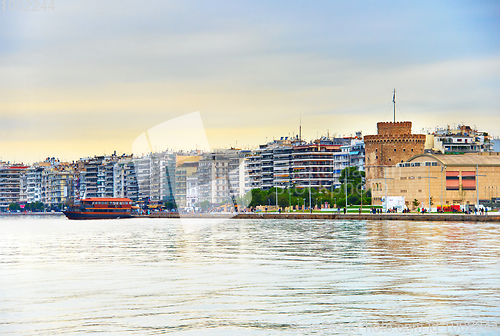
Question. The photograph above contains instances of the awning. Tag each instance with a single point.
(354, 153)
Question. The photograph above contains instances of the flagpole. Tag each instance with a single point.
(394, 103)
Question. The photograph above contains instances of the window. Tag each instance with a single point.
(452, 180)
(469, 180)
(394, 149)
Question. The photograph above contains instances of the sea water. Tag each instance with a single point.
(248, 277)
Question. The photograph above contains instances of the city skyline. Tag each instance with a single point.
(87, 78)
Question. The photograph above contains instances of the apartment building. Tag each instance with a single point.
(57, 185)
(291, 162)
(316, 165)
(10, 184)
(186, 180)
(125, 180)
(460, 140)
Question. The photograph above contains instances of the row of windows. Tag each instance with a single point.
(404, 149)
(112, 203)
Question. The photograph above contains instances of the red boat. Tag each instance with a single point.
(101, 208)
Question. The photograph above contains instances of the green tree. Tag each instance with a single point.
(170, 205)
(14, 207)
(283, 201)
(353, 199)
(258, 197)
(416, 203)
(205, 205)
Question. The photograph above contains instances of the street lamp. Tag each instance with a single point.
(310, 206)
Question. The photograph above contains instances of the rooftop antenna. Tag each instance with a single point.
(300, 128)
(394, 103)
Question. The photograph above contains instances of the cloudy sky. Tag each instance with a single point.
(88, 77)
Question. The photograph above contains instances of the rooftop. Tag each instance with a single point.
(469, 159)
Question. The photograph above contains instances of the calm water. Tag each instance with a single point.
(248, 277)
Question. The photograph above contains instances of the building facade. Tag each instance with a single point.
(446, 179)
(394, 143)
(10, 184)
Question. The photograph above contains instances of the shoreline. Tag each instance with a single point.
(494, 217)
(7, 214)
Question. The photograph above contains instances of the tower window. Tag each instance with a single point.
(394, 149)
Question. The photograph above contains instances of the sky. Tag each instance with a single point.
(89, 77)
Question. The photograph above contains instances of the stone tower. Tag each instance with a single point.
(394, 143)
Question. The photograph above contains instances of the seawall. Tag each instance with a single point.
(494, 217)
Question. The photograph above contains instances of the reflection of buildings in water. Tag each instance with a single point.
(201, 239)
(399, 243)
(405, 242)
(236, 238)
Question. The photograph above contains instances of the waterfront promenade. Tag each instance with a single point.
(492, 217)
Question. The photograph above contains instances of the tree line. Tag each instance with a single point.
(352, 180)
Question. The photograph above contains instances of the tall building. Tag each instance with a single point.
(316, 165)
(94, 176)
(34, 181)
(10, 184)
(239, 183)
(271, 164)
(155, 174)
(221, 176)
(186, 180)
(253, 169)
(213, 179)
(291, 162)
(124, 179)
(57, 184)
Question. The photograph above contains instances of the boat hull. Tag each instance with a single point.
(79, 215)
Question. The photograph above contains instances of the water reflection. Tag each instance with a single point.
(245, 277)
